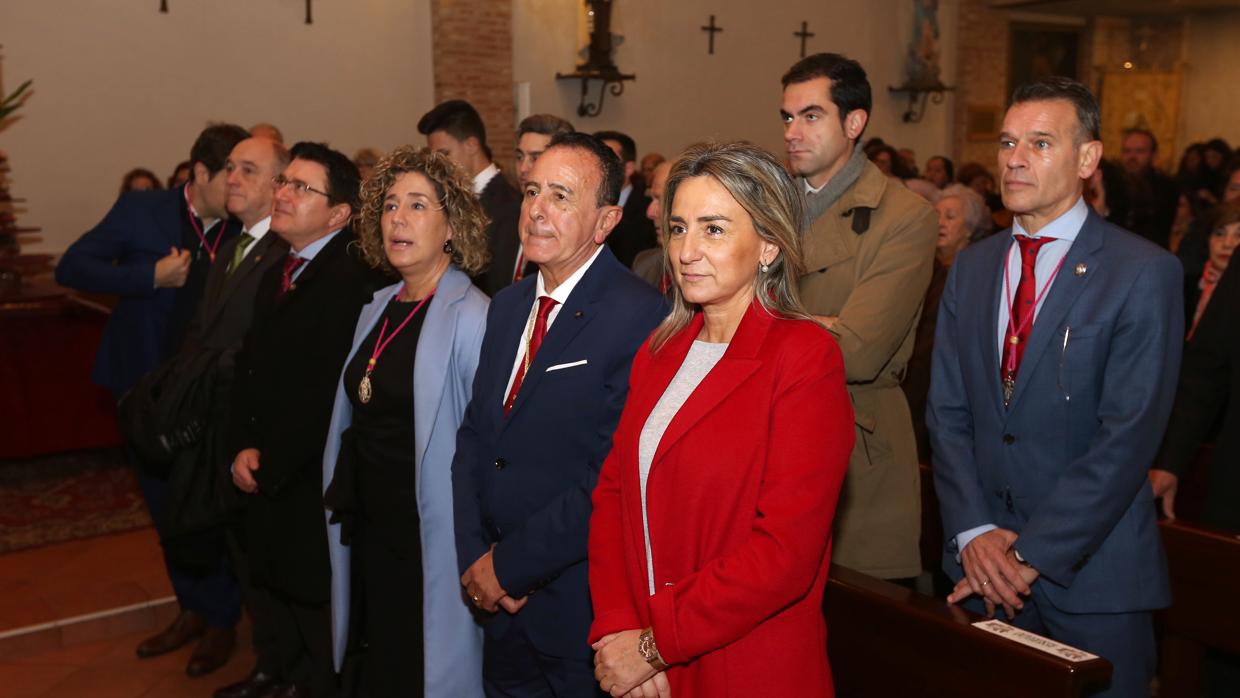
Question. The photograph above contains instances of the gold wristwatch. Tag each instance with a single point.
(649, 651)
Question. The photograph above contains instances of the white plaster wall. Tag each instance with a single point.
(1211, 101)
(119, 85)
(683, 95)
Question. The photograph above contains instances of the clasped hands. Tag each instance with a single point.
(622, 671)
(483, 587)
(992, 571)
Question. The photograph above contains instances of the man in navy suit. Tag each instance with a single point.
(551, 381)
(154, 249)
(1054, 371)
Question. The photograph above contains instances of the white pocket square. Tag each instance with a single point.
(557, 367)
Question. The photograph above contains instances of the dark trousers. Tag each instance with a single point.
(391, 613)
(1124, 639)
(293, 640)
(214, 592)
(513, 668)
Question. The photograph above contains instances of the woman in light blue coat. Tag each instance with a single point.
(387, 466)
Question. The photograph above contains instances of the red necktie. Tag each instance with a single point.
(545, 304)
(291, 264)
(1021, 323)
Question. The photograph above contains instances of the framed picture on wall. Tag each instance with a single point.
(1041, 50)
(982, 122)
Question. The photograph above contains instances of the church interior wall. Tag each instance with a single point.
(683, 94)
(119, 85)
(1211, 100)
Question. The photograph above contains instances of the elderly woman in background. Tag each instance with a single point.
(1224, 237)
(140, 179)
(401, 397)
(711, 533)
(963, 218)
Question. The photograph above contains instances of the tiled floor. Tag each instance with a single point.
(95, 658)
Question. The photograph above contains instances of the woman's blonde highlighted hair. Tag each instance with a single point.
(761, 185)
(455, 191)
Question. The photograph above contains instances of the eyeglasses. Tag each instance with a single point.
(299, 187)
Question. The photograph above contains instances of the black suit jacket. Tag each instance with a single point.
(634, 232)
(227, 308)
(1210, 384)
(286, 383)
(502, 202)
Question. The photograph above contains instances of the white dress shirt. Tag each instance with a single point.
(560, 294)
(483, 178)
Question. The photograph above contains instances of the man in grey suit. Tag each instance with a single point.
(1054, 369)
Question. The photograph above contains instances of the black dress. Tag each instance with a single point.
(387, 551)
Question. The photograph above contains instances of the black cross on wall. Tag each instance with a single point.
(805, 33)
(713, 30)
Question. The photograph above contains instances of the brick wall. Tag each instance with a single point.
(472, 58)
(981, 75)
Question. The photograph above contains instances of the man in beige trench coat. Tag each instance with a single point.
(869, 247)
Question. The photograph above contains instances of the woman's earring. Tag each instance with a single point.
(764, 267)
(447, 246)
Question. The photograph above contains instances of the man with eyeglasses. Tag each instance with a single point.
(305, 313)
(153, 250)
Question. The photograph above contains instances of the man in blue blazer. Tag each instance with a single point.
(154, 249)
(1053, 376)
(551, 381)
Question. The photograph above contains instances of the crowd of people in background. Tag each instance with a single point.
(600, 425)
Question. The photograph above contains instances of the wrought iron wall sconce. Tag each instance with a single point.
(598, 65)
(918, 95)
(613, 82)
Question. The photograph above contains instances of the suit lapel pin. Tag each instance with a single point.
(579, 314)
(1081, 269)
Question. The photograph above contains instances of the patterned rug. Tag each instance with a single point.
(68, 496)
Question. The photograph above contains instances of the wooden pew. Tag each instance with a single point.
(1205, 565)
(884, 640)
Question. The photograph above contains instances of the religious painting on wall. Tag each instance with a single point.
(1039, 51)
(1146, 99)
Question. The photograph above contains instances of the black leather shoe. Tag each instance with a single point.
(291, 690)
(187, 626)
(212, 652)
(256, 685)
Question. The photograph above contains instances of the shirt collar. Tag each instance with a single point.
(624, 195)
(1065, 227)
(483, 178)
(561, 292)
(313, 249)
(259, 230)
(811, 189)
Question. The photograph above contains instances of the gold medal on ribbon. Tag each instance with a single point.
(363, 389)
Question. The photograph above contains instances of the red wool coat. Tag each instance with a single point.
(740, 499)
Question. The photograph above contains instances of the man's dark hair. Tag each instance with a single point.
(628, 147)
(213, 145)
(850, 88)
(1076, 94)
(610, 167)
(343, 179)
(458, 119)
(545, 124)
(948, 165)
(1143, 132)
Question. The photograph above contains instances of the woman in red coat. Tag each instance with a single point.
(711, 534)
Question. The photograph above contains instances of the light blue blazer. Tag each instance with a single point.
(443, 376)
